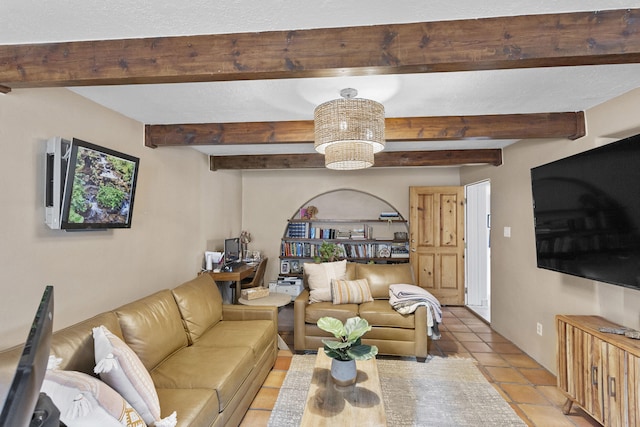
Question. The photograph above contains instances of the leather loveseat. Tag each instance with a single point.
(207, 360)
(393, 333)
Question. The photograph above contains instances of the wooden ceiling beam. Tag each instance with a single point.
(445, 128)
(383, 159)
(562, 39)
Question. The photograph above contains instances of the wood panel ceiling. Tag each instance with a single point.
(565, 39)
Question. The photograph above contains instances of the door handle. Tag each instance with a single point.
(612, 387)
(594, 375)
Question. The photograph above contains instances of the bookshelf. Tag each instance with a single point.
(379, 240)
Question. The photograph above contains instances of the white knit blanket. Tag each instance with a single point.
(405, 299)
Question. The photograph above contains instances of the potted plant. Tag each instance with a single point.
(328, 252)
(348, 348)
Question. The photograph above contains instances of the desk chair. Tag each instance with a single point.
(257, 279)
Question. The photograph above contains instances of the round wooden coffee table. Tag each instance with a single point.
(274, 299)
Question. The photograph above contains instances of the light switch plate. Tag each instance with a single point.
(507, 232)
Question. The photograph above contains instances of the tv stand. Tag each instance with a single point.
(599, 371)
(46, 413)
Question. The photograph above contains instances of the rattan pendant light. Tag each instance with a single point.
(348, 131)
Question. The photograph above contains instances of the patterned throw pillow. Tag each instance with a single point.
(319, 277)
(350, 291)
(123, 370)
(85, 401)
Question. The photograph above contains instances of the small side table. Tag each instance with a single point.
(274, 299)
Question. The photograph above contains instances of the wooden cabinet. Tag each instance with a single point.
(598, 371)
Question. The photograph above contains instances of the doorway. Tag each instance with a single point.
(478, 258)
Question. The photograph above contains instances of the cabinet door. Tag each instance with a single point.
(633, 389)
(580, 368)
(437, 241)
(593, 376)
(614, 388)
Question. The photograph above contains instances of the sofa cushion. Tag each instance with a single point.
(74, 344)
(198, 406)
(152, 327)
(380, 313)
(200, 304)
(84, 400)
(380, 276)
(350, 291)
(319, 276)
(120, 368)
(257, 334)
(342, 312)
(220, 369)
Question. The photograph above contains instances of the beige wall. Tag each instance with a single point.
(180, 210)
(522, 294)
(272, 197)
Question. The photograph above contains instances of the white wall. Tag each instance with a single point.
(270, 198)
(522, 294)
(181, 209)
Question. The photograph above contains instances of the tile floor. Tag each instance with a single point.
(527, 386)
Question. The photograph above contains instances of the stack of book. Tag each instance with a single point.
(343, 234)
(362, 233)
(298, 230)
(389, 216)
(399, 250)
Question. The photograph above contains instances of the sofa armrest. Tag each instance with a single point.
(299, 307)
(249, 312)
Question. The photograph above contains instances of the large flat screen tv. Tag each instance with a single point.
(24, 405)
(99, 190)
(587, 213)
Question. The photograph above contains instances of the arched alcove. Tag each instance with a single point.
(365, 227)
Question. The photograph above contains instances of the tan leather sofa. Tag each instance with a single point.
(207, 360)
(392, 332)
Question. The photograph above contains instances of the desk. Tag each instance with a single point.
(240, 272)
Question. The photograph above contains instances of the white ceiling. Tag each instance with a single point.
(435, 94)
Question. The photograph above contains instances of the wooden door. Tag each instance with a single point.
(436, 228)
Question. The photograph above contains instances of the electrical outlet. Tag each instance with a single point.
(539, 328)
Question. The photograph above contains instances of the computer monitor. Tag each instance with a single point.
(232, 250)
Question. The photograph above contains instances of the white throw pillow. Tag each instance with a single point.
(85, 401)
(122, 369)
(320, 276)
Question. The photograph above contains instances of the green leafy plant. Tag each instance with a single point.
(110, 197)
(349, 345)
(328, 252)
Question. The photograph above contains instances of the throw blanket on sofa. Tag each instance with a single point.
(405, 299)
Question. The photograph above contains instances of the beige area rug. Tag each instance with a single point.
(441, 392)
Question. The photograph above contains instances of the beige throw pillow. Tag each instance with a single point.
(119, 367)
(320, 276)
(351, 291)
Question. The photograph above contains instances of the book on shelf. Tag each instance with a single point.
(298, 230)
(399, 250)
(343, 234)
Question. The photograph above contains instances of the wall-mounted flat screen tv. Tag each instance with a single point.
(587, 213)
(24, 404)
(100, 187)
